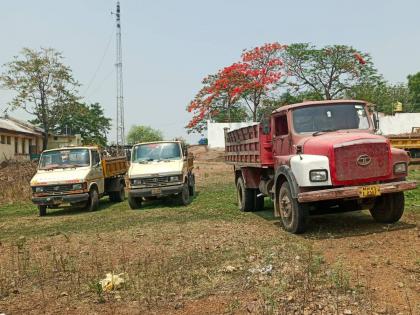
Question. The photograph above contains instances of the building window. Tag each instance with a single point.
(3, 139)
(9, 140)
(23, 146)
(16, 145)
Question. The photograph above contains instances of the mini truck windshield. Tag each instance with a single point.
(67, 158)
(156, 152)
(330, 118)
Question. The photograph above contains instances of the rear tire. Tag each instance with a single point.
(191, 186)
(118, 196)
(245, 196)
(93, 202)
(293, 214)
(388, 208)
(42, 210)
(134, 202)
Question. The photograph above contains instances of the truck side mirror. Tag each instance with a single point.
(375, 122)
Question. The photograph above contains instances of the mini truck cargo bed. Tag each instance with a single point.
(114, 166)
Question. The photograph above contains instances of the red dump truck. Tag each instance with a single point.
(318, 156)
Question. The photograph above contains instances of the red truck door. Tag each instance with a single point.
(281, 137)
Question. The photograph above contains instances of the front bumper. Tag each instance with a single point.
(353, 191)
(155, 191)
(59, 199)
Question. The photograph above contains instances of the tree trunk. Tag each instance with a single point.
(45, 140)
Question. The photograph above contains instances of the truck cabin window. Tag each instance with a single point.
(330, 118)
(280, 125)
(148, 152)
(64, 159)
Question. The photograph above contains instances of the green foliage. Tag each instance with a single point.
(235, 113)
(44, 86)
(382, 95)
(414, 89)
(139, 134)
(87, 120)
(328, 72)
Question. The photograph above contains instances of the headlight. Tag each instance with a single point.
(136, 182)
(77, 186)
(400, 168)
(318, 175)
(39, 189)
(176, 178)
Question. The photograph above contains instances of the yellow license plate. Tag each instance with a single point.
(156, 191)
(369, 191)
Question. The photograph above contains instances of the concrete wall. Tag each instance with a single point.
(399, 123)
(216, 134)
(16, 146)
(59, 141)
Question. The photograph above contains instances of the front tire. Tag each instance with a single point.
(93, 202)
(388, 208)
(134, 202)
(184, 196)
(293, 214)
(42, 210)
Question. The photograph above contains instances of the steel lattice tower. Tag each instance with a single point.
(120, 98)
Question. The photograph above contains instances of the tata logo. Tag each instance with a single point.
(364, 160)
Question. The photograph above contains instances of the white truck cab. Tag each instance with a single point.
(79, 176)
(157, 169)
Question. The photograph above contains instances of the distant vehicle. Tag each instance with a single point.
(157, 169)
(318, 156)
(410, 142)
(78, 176)
(203, 141)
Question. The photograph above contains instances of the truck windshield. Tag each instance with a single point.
(330, 118)
(156, 152)
(64, 159)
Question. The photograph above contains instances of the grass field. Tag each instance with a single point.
(206, 258)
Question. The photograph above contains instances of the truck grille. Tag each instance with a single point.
(56, 189)
(362, 161)
(155, 181)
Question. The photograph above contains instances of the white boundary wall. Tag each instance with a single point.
(216, 133)
(399, 123)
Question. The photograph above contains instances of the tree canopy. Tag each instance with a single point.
(139, 134)
(44, 85)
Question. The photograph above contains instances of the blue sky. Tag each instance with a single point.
(169, 46)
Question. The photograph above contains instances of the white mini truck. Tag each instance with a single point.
(78, 176)
(158, 169)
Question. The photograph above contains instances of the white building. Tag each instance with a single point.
(18, 139)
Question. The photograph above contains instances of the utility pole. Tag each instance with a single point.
(120, 98)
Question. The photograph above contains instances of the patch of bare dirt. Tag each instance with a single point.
(14, 181)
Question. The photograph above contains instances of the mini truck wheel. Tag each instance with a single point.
(388, 208)
(93, 202)
(184, 196)
(42, 210)
(293, 214)
(134, 202)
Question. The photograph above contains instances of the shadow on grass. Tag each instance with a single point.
(339, 225)
(73, 210)
(164, 202)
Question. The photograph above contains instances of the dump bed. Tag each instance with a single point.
(114, 166)
(248, 146)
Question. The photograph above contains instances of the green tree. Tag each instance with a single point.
(383, 96)
(327, 72)
(44, 86)
(87, 120)
(414, 89)
(139, 134)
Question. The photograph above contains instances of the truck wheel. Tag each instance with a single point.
(259, 201)
(93, 202)
(388, 208)
(42, 210)
(117, 196)
(245, 196)
(293, 214)
(192, 186)
(134, 202)
(184, 196)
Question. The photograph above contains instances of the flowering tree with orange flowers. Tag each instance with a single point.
(330, 71)
(243, 83)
